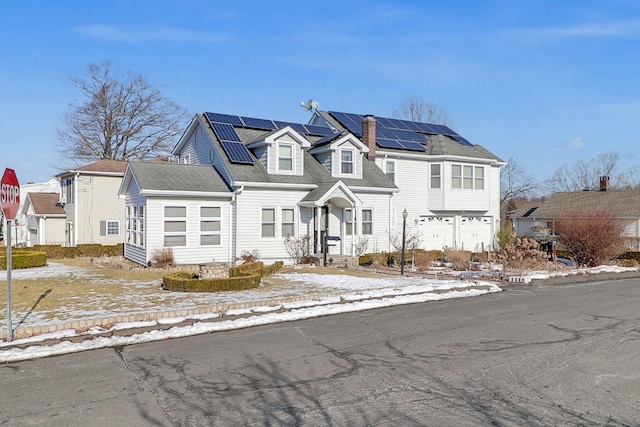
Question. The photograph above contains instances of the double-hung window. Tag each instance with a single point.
(456, 176)
(210, 230)
(268, 222)
(346, 162)
(367, 221)
(390, 169)
(175, 226)
(348, 221)
(479, 177)
(467, 178)
(285, 157)
(288, 222)
(435, 175)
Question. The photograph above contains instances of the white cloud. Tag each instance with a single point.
(576, 142)
(145, 34)
(625, 28)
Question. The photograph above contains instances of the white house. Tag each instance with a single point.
(89, 196)
(244, 184)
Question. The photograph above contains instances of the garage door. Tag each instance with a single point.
(475, 233)
(437, 232)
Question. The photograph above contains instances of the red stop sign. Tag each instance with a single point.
(9, 194)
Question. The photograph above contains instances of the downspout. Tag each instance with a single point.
(76, 192)
(233, 230)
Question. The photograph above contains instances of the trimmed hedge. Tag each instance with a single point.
(23, 259)
(80, 251)
(242, 277)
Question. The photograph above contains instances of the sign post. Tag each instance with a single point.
(10, 202)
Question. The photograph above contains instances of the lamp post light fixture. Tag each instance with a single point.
(404, 241)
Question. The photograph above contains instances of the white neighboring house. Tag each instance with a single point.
(95, 213)
(19, 230)
(245, 184)
(45, 219)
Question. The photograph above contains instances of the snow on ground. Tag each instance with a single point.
(350, 293)
(355, 294)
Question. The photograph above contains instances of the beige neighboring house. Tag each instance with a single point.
(90, 200)
(538, 220)
(45, 219)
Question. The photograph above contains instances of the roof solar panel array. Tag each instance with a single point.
(397, 133)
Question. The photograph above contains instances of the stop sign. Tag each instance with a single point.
(9, 194)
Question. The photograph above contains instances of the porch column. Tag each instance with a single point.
(317, 231)
(353, 229)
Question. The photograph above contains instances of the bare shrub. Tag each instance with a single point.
(250, 256)
(361, 246)
(592, 237)
(162, 258)
(298, 248)
(460, 260)
(522, 253)
(424, 259)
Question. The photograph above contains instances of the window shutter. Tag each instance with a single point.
(103, 228)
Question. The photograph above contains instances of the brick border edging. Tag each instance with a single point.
(22, 332)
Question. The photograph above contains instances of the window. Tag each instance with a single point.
(109, 228)
(346, 157)
(456, 176)
(467, 178)
(285, 157)
(210, 229)
(268, 222)
(175, 226)
(367, 221)
(435, 175)
(140, 231)
(348, 221)
(390, 169)
(288, 222)
(68, 190)
(479, 178)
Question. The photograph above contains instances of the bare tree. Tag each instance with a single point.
(515, 182)
(417, 109)
(585, 175)
(122, 117)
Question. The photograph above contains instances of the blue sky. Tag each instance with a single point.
(548, 82)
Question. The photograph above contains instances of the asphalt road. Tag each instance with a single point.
(558, 355)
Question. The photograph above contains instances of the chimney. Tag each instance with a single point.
(604, 183)
(369, 135)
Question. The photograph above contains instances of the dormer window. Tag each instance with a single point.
(346, 162)
(285, 157)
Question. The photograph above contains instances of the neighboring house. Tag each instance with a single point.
(19, 230)
(538, 220)
(244, 184)
(95, 213)
(45, 219)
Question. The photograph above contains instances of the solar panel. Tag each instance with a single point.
(388, 143)
(384, 122)
(398, 124)
(295, 126)
(412, 146)
(225, 132)
(407, 135)
(355, 127)
(224, 118)
(237, 152)
(252, 122)
(462, 140)
(319, 130)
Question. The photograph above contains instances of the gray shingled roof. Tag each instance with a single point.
(622, 203)
(314, 172)
(161, 176)
(446, 146)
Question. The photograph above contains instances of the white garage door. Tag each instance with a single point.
(437, 232)
(475, 233)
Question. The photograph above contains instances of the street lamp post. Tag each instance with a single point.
(404, 241)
